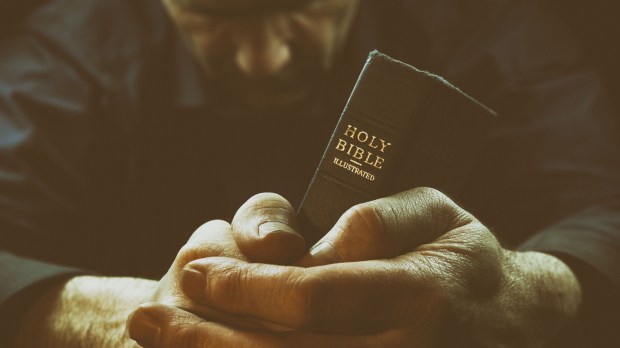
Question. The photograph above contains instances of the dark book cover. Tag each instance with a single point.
(401, 128)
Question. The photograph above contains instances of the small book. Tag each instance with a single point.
(401, 128)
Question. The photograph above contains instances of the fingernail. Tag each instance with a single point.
(193, 283)
(325, 254)
(145, 328)
(269, 227)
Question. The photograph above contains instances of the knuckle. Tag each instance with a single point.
(310, 302)
(433, 197)
(187, 253)
(203, 243)
(367, 218)
(195, 251)
(442, 208)
(430, 192)
(370, 230)
(208, 228)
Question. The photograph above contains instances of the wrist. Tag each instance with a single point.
(541, 292)
(83, 311)
(551, 281)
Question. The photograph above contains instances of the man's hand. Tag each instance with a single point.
(264, 236)
(413, 269)
(83, 311)
(92, 311)
(262, 231)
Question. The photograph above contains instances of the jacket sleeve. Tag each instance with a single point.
(45, 129)
(549, 179)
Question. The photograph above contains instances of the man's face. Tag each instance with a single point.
(264, 53)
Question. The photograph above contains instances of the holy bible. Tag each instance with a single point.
(401, 128)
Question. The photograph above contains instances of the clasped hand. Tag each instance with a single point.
(412, 269)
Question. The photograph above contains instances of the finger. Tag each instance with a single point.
(354, 297)
(265, 230)
(156, 325)
(387, 227)
(212, 239)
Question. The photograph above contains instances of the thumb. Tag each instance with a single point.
(387, 227)
(265, 230)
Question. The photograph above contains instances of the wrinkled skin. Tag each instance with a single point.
(413, 269)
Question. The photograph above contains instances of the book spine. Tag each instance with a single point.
(387, 141)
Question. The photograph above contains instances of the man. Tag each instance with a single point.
(122, 131)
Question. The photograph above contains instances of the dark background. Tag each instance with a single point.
(594, 22)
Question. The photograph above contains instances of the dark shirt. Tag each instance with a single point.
(113, 149)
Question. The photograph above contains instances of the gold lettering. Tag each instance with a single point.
(353, 169)
(384, 144)
(362, 137)
(350, 132)
(367, 159)
(359, 153)
(372, 143)
(342, 145)
(379, 162)
(350, 148)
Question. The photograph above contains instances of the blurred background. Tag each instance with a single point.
(597, 26)
(595, 23)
